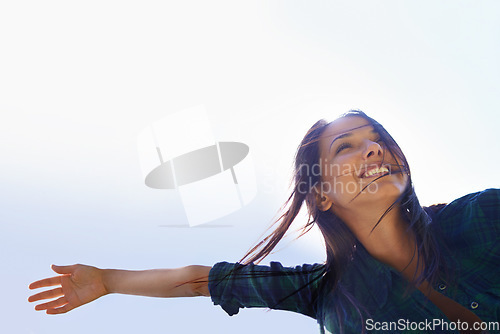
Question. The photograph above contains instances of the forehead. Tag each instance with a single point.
(341, 126)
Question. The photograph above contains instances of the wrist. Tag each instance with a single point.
(107, 280)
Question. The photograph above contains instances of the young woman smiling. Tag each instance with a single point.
(391, 264)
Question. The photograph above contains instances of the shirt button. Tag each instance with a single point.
(474, 305)
(442, 286)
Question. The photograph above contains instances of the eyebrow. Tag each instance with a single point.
(349, 134)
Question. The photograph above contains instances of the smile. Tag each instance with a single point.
(375, 172)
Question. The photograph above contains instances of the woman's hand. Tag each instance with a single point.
(77, 285)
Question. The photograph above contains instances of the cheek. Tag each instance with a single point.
(338, 183)
(406, 180)
(337, 168)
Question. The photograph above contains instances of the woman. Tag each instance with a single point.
(391, 264)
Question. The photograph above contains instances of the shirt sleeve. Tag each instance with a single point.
(234, 286)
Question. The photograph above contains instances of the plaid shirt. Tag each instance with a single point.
(469, 229)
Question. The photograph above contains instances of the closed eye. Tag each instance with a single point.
(342, 147)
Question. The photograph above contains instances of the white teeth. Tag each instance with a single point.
(376, 171)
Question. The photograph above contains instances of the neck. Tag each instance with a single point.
(390, 242)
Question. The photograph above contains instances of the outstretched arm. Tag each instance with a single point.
(80, 284)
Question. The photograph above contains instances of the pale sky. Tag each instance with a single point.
(79, 81)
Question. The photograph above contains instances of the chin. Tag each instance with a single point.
(385, 190)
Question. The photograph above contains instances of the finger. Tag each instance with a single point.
(63, 269)
(46, 282)
(46, 295)
(60, 310)
(52, 304)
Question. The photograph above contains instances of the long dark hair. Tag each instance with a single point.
(340, 241)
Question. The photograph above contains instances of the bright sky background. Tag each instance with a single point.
(79, 80)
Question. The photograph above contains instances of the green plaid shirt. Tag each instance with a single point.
(469, 229)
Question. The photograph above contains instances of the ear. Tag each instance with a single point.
(323, 202)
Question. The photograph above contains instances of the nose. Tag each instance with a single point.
(372, 149)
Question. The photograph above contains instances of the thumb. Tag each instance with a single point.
(63, 269)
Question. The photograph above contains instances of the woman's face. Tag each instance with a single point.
(355, 169)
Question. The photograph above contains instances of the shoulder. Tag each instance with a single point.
(471, 221)
(468, 231)
(479, 206)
